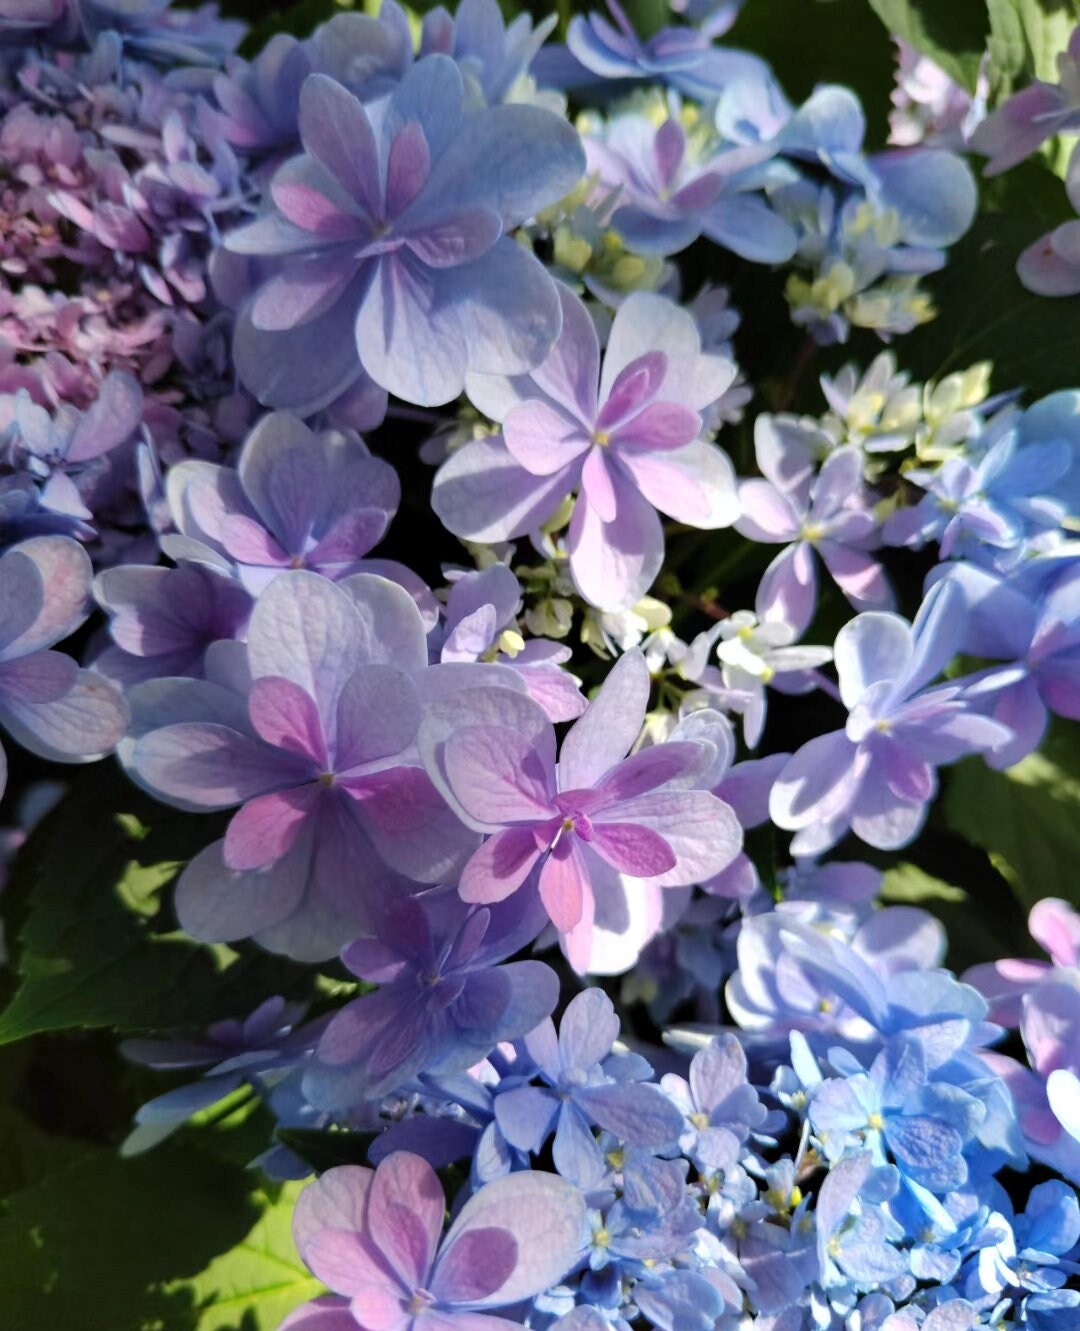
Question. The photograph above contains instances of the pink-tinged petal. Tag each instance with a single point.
(702, 832)
(455, 239)
(570, 373)
(499, 776)
(405, 1215)
(869, 649)
(327, 1313)
(64, 569)
(1055, 926)
(612, 722)
(267, 827)
(614, 563)
(545, 1217)
(303, 203)
(644, 771)
(209, 766)
(483, 493)
(597, 486)
(544, 439)
(859, 576)
(336, 131)
(634, 386)
(500, 866)
(632, 849)
(381, 1308)
(553, 688)
(285, 716)
(660, 426)
(250, 543)
(1017, 128)
(906, 775)
(407, 167)
(818, 784)
(767, 514)
(475, 1266)
(564, 883)
(694, 483)
(576, 943)
(350, 538)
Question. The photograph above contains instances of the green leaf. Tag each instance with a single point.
(1025, 38)
(909, 885)
(952, 33)
(98, 945)
(984, 313)
(1027, 818)
(122, 1245)
(324, 1149)
(848, 45)
(257, 1283)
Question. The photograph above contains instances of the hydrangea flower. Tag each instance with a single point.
(163, 621)
(1029, 117)
(444, 1000)
(668, 196)
(374, 1237)
(584, 1087)
(626, 434)
(47, 704)
(828, 513)
(877, 775)
(389, 248)
(297, 498)
(309, 728)
(594, 814)
(481, 625)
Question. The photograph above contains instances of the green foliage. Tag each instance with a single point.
(97, 944)
(951, 32)
(324, 1149)
(984, 311)
(254, 1285)
(110, 1244)
(1027, 818)
(1025, 37)
(849, 46)
(908, 885)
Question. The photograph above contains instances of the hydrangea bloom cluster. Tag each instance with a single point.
(375, 435)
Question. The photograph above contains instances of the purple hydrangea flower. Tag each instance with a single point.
(373, 1236)
(444, 999)
(296, 499)
(719, 1105)
(682, 57)
(583, 1086)
(47, 704)
(162, 621)
(1031, 116)
(481, 625)
(309, 727)
(150, 27)
(829, 513)
(391, 249)
(878, 775)
(596, 813)
(627, 435)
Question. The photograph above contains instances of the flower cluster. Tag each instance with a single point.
(242, 303)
